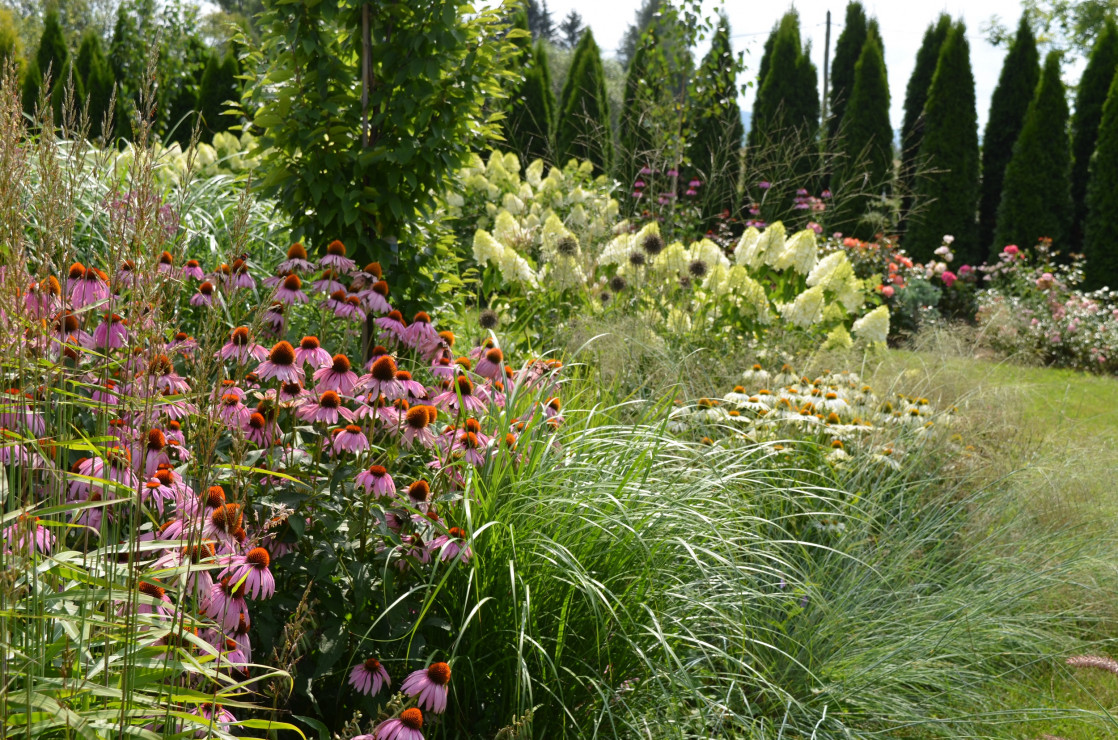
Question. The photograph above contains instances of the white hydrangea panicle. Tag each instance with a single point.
(476, 183)
(838, 338)
(562, 273)
(874, 326)
(455, 200)
(487, 250)
(709, 253)
(678, 321)
(851, 294)
(674, 260)
(830, 272)
(516, 269)
(512, 204)
(617, 251)
(807, 308)
(800, 253)
(507, 231)
(526, 194)
(745, 253)
(771, 244)
(512, 164)
(578, 216)
(534, 173)
(552, 233)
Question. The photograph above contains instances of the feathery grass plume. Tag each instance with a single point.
(1093, 661)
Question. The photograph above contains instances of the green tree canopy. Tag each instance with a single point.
(1036, 197)
(1016, 86)
(1089, 100)
(531, 116)
(11, 46)
(1100, 239)
(947, 196)
(583, 130)
(866, 168)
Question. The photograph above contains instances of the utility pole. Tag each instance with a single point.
(826, 65)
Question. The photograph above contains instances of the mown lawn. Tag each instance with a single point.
(1051, 438)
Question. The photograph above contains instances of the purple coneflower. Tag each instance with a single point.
(252, 567)
(182, 342)
(290, 291)
(219, 715)
(415, 390)
(225, 604)
(327, 283)
(462, 394)
(405, 727)
(369, 677)
(163, 605)
(193, 269)
(417, 426)
(166, 262)
(241, 347)
(204, 296)
(326, 410)
(336, 259)
(350, 438)
(26, 531)
(296, 260)
(421, 334)
(88, 285)
(381, 379)
(310, 352)
(376, 481)
(112, 333)
(335, 301)
(281, 364)
(233, 411)
(429, 684)
(376, 297)
(451, 545)
(393, 325)
(491, 365)
(44, 297)
(222, 523)
(337, 376)
(259, 430)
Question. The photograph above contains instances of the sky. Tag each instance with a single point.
(903, 23)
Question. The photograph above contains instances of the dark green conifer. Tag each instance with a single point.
(948, 196)
(1016, 87)
(866, 168)
(715, 149)
(583, 129)
(1100, 239)
(1036, 194)
(97, 76)
(848, 50)
(218, 86)
(1101, 68)
(530, 117)
(916, 94)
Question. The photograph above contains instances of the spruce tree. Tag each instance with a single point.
(1036, 194)
(570, 30)
(848, 50)
(867, 143)
(530, 115)
(1101, 68)
(715, 148)
(916, 94)
(1100, 238)
(947, 197)
(1016, 86)
(583, 130)
(97, 77)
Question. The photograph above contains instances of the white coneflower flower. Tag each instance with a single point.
(756, 377)
(807, 309)
(874, 326)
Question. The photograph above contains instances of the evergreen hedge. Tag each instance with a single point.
(848, 50)
(1036, 197)
(1016, 87)
(947, 197)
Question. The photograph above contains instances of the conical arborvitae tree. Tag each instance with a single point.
(789, 93)
(1016, 86)
(52, 51)
(947, 197)
(1100, 238)
(715, 148)
(95, 73)
(219, 85)
(583, 130)
(1093, 86)
(848, 49)
(867, 143)
(916, 94)
(634, 139)
(762, 71)
(531, 116)
(1036, 195)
